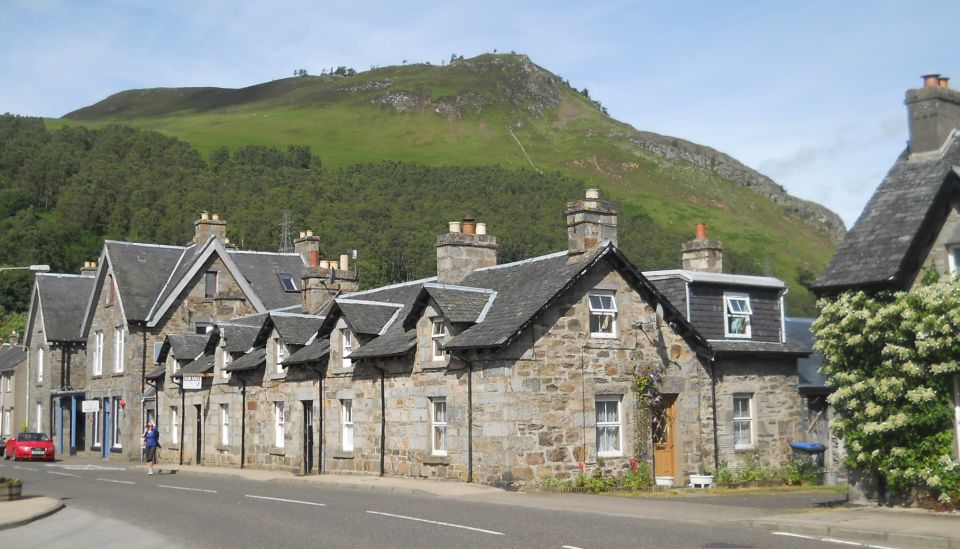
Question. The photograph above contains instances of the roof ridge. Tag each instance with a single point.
(284, 254)
(145, 244)
(553, 255)
(368, 302)
(64, 275)
(396, 285)
(458, 287)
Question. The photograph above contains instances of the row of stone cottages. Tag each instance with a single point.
(495, 373)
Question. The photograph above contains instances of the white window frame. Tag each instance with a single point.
(437, 338)
(6, 422)
(749, 420)
(287, 282)
(278, 424)
(278, 350)
(225, 360)
(346, 424)
(39, 364)
(39, 418)
(115, 428)
(616, 424)
(953, 260)
(224, 424)
(600, 310)
(438, 426)
(157, 346)
(98, 353)
(118, 350)
(956, 410)
(174, 425)
(737, 305)
(346, 347)
(97, 433)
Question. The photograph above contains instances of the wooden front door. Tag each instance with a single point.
(664, 455)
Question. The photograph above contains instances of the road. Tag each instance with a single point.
(116, 504)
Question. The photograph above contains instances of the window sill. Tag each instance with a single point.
(335, 370)
(603, 336)
(171, 447)
(116, 450)
(435, 365)
(277, 451)
(606, 455)
(116, 374)
(436, 459)
(225, 449)
(274, 377)
(343, 455)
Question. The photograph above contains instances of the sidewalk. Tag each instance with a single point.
(26, 510)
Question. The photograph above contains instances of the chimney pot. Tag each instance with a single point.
(343, 261)
(204, 215)
(481, 228)
(309, 232)
(701, 231)
(334, 265)
(931, 80)
(469, 225)
(314, 258)
(454, 227)
(324, 264)
(216, 217)
(593, 194)
(303, 234)
(945, 82)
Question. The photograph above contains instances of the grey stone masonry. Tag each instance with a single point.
(590, 223)
(933, 113)
(461, 253)
(702, 253)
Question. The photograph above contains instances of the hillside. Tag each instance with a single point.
(504, 110)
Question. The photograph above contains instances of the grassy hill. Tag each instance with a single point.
(504, 110)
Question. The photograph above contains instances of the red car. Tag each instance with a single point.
(29, 446)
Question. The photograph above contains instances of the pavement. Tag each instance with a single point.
(798, 515)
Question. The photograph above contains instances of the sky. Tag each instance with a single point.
(808, 93)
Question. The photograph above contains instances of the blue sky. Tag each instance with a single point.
(809, 93)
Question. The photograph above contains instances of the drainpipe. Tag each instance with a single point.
(713, 393)
(320, 430)
(383, 419)
(183, 415)
(243, 422)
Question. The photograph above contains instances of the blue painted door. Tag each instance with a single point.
(107, 431)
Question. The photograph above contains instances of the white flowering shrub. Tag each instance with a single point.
(891, 358)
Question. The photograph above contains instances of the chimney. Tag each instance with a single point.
(89, 268)
(206, 226)
(591, 222)
(702, 253)
(323, 280)
(461, 253)
(933, 112)
(308, 246)
(14, 338)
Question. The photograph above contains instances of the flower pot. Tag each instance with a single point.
(701, 481)
(10, 491)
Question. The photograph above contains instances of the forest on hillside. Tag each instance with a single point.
(63, 192)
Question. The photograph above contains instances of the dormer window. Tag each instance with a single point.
(603, 315)
(737, 313)
(953, 260)
(278, 345)
(438, 334)
(286, 280)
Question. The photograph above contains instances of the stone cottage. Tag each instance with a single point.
(13, 395)
(57, 365)
(911, 224)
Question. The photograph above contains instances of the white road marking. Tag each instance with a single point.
(569, 547)
(841, 542)
(25, 468)
(63, 474)
(288, 500)
(879, 547)
(792, 535)
(187, 489)
(439, 523)
(85, 467)
(117, 481)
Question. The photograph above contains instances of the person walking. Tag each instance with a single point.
(150, 441)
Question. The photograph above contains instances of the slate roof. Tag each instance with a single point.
(63, 301)
(239, 338)
(11, 356)
(201, 365)
(186, 261)
(315, 352)
(141, 271)
(367, 317)
(398, 339)
(156, 373)
(894, 232)
(808, 368)
(296, 329)
(187, 346)
(260, 269)
(716, 278)
(460, 304)
(250, 361)
(395, 342)
(732, 347)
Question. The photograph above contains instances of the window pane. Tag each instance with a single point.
(440, 437)
(737, 325)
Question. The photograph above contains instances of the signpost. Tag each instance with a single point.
(192, 383)
(90, 406)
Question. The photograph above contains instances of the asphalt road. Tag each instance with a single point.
(116, 504)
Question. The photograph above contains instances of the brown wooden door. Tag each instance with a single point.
(664, 455)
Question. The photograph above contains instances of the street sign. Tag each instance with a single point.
(90, 406)
(192, 383)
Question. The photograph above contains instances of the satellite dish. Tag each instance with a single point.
(659, 314)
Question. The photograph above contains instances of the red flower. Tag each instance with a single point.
(580, 465)
(633, 464)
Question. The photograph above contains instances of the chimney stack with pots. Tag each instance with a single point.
(591, 222)
(462, 250)
(89, 268)
(208, 225)
(322, 280)
(308, 246)
(702, 253)
(933, 112)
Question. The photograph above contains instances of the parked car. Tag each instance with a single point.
(29, 446)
